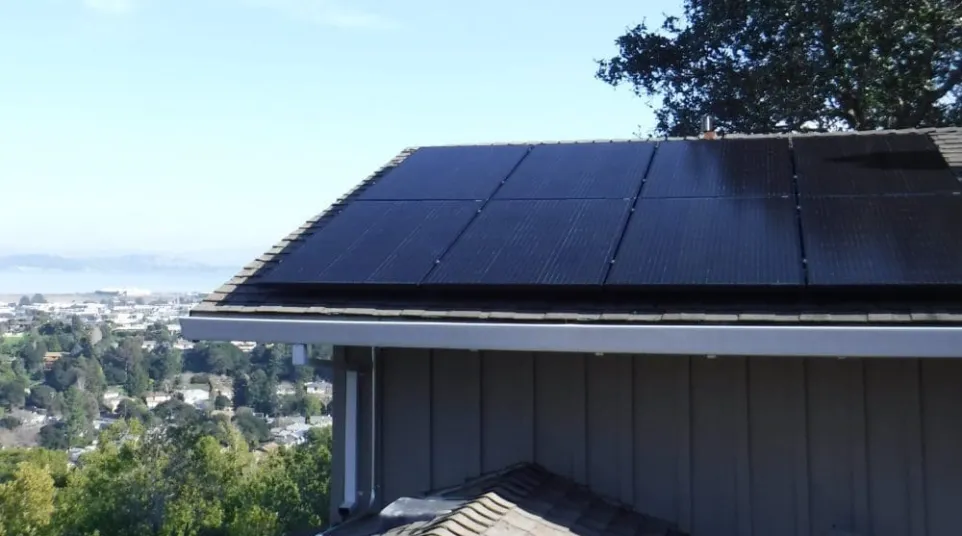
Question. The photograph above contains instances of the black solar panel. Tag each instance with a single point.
(883, 240)
(469, 172)
(545, 242)
(876, 164)
(376, 242)
(726, 168)
(710, 241)
(612, 170)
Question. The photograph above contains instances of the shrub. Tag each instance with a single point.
(10, 422)
(199, 379)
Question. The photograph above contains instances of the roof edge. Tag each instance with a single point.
(730, 136)
(659, 339)
(281, 247)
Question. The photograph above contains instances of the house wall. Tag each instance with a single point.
(728, 446)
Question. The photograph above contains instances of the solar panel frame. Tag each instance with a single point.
(883, 240)
(871, 164)
(375, 242)
(722, 168)
(447, 173)
(603, 170)
(710, 242)
(554, 242)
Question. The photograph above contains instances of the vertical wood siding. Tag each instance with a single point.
(723, 447)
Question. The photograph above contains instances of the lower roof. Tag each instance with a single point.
(525, 500)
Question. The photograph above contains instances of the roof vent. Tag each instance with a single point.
(708, 127)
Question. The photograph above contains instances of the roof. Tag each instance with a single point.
(244, 295)
(524, 500)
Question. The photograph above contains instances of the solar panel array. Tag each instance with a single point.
(881, 209)
(764, 212)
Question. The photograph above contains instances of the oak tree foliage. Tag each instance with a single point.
(763, 66)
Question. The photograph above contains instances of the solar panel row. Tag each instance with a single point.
(541, 242)
(710, 241)
(872, 210)
(879, 164)
(735, 168)
(381, 242)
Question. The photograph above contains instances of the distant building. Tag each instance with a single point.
(317, 388)
(50, 358)
(199, 398)
(284, 389)
(125, 292)
(155, 399)
(112, 398)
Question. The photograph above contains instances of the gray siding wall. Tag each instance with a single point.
(728, 446)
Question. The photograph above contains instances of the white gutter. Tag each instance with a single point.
(738, 340)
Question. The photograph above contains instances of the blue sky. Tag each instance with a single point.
(215, 127)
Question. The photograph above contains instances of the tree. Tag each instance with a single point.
(77, 418)
(26, 502)
(77, 326)
(216, 358)
(196, 478)
(164, 362)
(312, 406)
(95, 381)
(787, 64)
(134, 409)
(138, 381)
(254, 428)
(63, 373)
(24, 300)
(54, 436)
(158, 333)
(38, 298)
(44, 397)
(12, 392)
(10, 422)
(175, 411)
(32, 351)
(221, 402)
(262, 392)
(54, 461)
(241, 390)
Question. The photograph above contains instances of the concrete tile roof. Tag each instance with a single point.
(524, 500)
(242, 295)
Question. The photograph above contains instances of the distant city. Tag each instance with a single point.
(150, 321)
(129, 310)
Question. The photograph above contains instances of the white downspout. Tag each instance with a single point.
(350, 443)
(299, 354)
(373, 494)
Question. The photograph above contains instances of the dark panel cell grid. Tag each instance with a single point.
(611, 170)
(877, 164)
(468, 172)
(379, 242)
(883, 240)
(710, 241)
(721, 168)
(543, 242)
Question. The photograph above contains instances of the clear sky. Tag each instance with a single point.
(218, 126)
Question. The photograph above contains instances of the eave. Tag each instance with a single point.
(659, 339)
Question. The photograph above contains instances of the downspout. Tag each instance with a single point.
(373, 494)
(350, 444)
(351, 433)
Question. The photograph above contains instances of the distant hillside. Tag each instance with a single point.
(139, 263)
